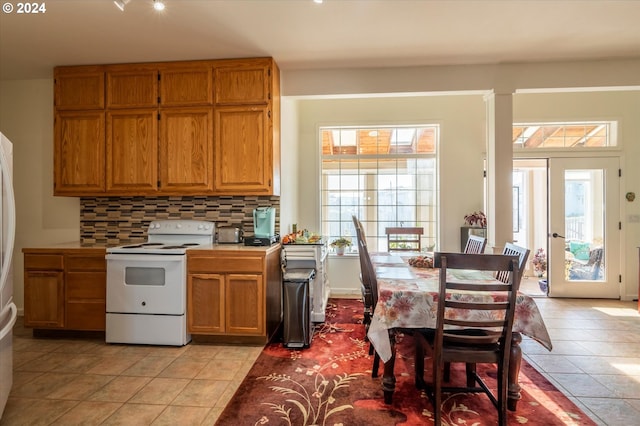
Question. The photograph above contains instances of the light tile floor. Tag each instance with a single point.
(595, 362)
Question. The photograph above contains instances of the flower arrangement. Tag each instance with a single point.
(476, 219)
(539, 262)
(341, 242)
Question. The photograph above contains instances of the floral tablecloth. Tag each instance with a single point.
(407, 298)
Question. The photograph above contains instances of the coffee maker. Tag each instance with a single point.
(264, 227)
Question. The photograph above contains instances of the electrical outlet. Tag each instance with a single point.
(633, 218)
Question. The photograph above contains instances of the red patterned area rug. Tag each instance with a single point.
(330, 383)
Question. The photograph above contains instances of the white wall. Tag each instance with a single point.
(26, 118)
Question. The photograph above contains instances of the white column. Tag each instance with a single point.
(499, 170)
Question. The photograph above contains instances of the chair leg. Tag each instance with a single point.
(437, 394)
(419, 362)
(502, 397)
(471, 375)
(376, 364)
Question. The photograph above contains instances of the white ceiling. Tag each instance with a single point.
(300, 34)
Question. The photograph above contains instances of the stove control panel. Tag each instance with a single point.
(182, 227)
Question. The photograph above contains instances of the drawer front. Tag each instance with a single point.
(86, 316)
(86, 285)
(86, 263)
(44, 261)
(224, 264)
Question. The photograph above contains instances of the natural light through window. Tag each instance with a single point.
(564, 135)
(384, 175)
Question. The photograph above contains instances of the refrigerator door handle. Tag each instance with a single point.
(14, 315)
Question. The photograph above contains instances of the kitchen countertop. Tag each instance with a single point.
(66, 247)
(77, 246)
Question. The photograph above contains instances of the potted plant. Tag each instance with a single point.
(339, 244)
(539, 262)
(474, 224)
(476, 219)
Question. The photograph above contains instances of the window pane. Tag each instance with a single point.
(563, 135)
(386, 176)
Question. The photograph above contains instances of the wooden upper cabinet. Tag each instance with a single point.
(79, 153)
(186, 86)
(108, 139)
(243, 152)
(132, 151)
(244, 81)
(132, 86)
(78, 88)
(186, 152)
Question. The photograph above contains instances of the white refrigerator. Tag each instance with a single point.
(8, 311)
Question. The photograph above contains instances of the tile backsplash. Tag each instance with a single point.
(121, 220)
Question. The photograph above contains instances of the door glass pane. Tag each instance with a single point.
(584, 225)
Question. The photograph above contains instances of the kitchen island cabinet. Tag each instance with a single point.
(65, 288)
(234, 293)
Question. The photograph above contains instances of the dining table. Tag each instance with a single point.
(407, 299)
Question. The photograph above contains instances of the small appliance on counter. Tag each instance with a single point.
(229, 235)
(264, 228)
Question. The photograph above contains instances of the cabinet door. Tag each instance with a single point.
(186, 86)
(243, 151)
(44, 299)
(132, 151)
(186, 151)
(243, 82)
(78, 88)
(245, 304)
(79, 153)
(205, 303)
(132, 87)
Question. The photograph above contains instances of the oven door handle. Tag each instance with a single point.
(135, 257)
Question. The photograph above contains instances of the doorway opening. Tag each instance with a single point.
(530, 221)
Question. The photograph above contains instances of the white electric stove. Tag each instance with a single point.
(147, 284)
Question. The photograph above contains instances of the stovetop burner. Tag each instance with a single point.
(142, 245)
(185, 245)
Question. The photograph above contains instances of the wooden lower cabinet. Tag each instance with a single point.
(205, 303)
(234, 293)
(65, 289)
(43, 291)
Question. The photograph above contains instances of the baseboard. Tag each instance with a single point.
(344, 293)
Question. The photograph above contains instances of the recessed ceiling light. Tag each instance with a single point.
(158, 5)
(317, 1)
(120, 4)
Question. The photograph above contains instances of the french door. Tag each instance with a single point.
(584, 235)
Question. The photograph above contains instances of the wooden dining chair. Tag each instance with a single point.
(475, 244)
(365, 287)
(368, 287)
(404, 239)
(470, 331)
(511, 249)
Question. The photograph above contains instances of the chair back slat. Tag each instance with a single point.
(511, 249)
(475, 244)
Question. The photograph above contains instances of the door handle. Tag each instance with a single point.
(556, 235)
